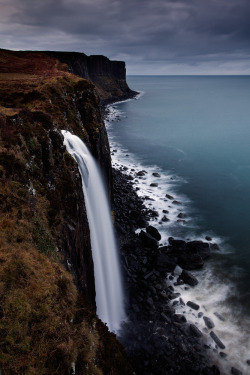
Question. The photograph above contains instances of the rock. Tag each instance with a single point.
(182, 303)
(181, 215)
(153, 232)
(235, 371)
(119, 228)
(191, 254)
(195, 330)
(178, 318)
(148, 275)
(154, 213)
(174, 295)
(165, 211)
(164, 263)
(220, 316)
(176, 202)
(199, 247)
(153, 184)
(190, 261)
(208, 238)
(141, 222)
(223, 355)
(165, 317)
(135, 308)
(209, 323)
(141, 173)
(193, 305)
(155, 174)
(164, 218)
(248, 362)
(147, 239)
(200, 314)
(150, 301)
(169, 196)
(188, 278)
(217, 340)
(178, 245)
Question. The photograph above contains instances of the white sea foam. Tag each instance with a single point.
(212, 294)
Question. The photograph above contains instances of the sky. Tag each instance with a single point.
(151, 36)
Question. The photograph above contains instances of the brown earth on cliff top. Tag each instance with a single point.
(46, 325)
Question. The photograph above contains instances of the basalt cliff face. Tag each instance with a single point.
(47, 325)
(109, 77)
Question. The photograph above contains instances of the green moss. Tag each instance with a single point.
(42, 237)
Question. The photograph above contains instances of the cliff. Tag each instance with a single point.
(109, 77)
(47, 325)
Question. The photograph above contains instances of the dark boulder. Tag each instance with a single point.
(190, 261)
(178, 318)
(164, 218)
(176, 202)
(164, 263)
(209, 323)
(219, 316)
(188, 278)
(154, 184)
(147, 239)
(155, 174)
(208, 238)
(169, 196)
(153, 232)
(195, 330)
(217, 340)
(193, 305)
(181, 215)
(141, 173)
(141, 222)
(177, 245)
(200, 248)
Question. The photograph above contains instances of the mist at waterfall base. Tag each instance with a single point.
(195, 132)
(108, 286)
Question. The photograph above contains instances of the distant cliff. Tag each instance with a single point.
(109, 77)
(46, 324)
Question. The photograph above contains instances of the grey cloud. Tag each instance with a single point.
(166, 31)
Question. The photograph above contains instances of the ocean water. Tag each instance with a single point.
(195, 132)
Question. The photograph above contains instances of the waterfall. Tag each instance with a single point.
(109, 295)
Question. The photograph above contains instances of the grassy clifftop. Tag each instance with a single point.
(46, 325)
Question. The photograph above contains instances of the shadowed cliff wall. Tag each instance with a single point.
(45, 323)
(109, 77)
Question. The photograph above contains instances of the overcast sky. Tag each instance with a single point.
(152, 36)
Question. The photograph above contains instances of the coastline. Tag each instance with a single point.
(147, 286)
(153, 333)
(155, 337)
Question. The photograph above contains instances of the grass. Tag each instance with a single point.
(45, 323)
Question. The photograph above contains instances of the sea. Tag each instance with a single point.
(194, 133)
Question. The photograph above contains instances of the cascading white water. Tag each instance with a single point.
(109, 294)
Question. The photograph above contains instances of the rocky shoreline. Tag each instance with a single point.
(159, 340)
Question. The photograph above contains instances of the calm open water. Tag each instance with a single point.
(196, 130)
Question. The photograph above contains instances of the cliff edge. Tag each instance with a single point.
(109, 77)
(47, 325)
